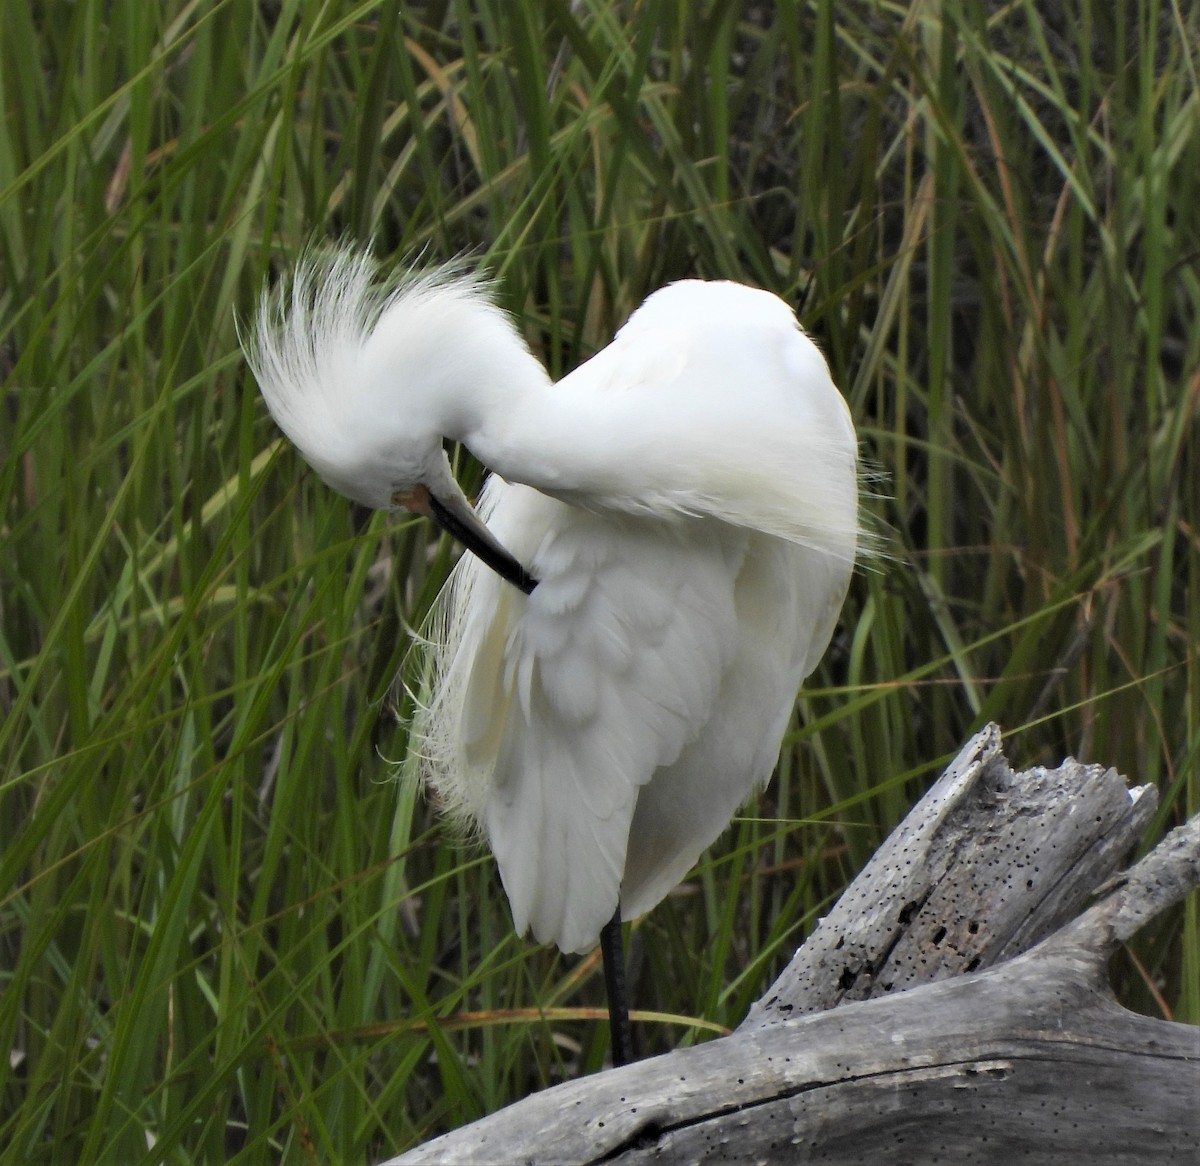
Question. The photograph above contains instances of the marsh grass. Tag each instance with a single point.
(228, 931)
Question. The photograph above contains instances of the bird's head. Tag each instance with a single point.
(366, 379)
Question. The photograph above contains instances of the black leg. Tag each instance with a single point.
(613, 951)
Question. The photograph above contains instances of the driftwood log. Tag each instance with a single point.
(953, 1007)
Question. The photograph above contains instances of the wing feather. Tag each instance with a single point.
(552, 711)
(693, 537)
(787, 602)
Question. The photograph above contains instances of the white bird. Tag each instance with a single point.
(679, 516)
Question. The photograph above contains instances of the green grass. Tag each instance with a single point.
(228, 932)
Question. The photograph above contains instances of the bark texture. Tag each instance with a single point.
(953, 1007)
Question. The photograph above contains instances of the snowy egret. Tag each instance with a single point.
(677, 518)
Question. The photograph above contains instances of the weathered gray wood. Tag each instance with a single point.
(1030, 1060)
(987, 863)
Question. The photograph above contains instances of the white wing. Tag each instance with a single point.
(787, 601)
(646, 682)
(553, 710)
(693, 538)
